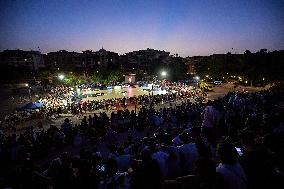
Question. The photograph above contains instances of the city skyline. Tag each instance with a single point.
(188, 28)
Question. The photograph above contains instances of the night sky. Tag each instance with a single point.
(186, 27)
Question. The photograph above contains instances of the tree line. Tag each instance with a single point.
(257, 67)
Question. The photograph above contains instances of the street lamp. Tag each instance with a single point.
(197, 78)
(61, 76)
(163, 73)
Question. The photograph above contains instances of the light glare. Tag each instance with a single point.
(163, 73)
(61, 76)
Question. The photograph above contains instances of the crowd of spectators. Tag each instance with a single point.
(63, 99)
(53, 98)
(234, 142)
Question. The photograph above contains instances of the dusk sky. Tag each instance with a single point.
(186, 27)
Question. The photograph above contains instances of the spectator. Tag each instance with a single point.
(147, 174)
(123, 160)
(189, 154)
(229, 167)
(114, 178)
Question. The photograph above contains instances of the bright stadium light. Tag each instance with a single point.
(61, 76)
(197, 78)
(163, 73)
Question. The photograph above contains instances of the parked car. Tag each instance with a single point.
(217, 82)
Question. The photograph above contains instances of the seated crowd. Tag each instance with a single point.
(62, 99)
(233, 142)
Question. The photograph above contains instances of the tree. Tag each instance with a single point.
(97, 77)
(114, 76)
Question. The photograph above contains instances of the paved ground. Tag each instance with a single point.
(221, 90)
(7, 104)
(118, 92)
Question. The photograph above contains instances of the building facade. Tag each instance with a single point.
(192, 62)
(143, 58)
(64, 60)
(88, 59)
(32, 60)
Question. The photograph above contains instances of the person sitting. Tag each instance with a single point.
(123, 160)
(173, 162)
(147, 174)
(257, 162)
(189, 154)
(205, 171)
(161, 157)
(114, 179)
(232, 172)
